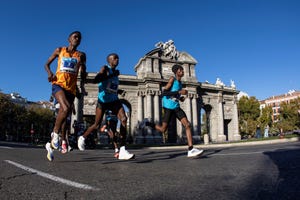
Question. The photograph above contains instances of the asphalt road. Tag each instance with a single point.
(247, 172)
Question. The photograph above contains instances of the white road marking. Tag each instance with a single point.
(255, 152)
(237, 154)
(4, 147)
(53, 178)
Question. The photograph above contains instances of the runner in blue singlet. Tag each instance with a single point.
(108, 83)
(171, 97)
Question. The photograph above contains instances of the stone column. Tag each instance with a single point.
(149, 94)
(188, 115)
(140, 106)
(78, 106)
(235, 121)
(192, 70)
(157, 136)
(221, 136)
(149, 136)
(156, 107)
(195, 122)
(139, 136)
(188, 107)
(195, 114)
(213, 123)
(187, 74)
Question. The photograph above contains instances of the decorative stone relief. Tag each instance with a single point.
(168, 49)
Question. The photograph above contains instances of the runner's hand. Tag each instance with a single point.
(51, 77)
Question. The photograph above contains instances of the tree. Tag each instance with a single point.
(204, 124)
(265, 118)
(5, 114)
(16, 120)
(249, 113)
(41, 120)
(289, 115)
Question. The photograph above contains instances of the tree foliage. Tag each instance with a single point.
(203, 123)
(249, 113)
(250, 116)
(289, 118)
(265, 118)
(16, 121)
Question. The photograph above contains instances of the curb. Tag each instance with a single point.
(249, 143)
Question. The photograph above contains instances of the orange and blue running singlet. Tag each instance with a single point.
(67, 70)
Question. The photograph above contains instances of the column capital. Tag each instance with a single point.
(157, 92)
(150, 92)
(193, 95)
(141, 93)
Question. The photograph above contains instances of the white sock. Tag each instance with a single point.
(122, 148)
(55, 135)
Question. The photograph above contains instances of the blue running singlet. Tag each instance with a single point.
(171, 102)
(108, 89)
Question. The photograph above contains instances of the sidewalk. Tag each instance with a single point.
(234, 144)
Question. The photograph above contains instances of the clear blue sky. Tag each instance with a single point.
(256, 43)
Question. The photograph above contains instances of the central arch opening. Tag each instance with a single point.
(205, 121)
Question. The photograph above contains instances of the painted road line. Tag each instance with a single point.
(51, 177)
(237, 154)
(4, 147)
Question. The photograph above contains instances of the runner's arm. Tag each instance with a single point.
(54, 55)
(166, 90)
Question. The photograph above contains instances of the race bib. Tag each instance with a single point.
(68, 65)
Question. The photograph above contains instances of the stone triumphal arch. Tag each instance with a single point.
(143, 98)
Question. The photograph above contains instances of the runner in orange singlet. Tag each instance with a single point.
(71, 62)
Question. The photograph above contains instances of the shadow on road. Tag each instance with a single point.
(287, 183)
(153, 156)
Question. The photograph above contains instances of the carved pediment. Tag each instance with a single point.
(158, 62)
(186, 58)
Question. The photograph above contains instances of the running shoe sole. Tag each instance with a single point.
(132, 157)
(197, 155)
(54, 146)
(50, 156)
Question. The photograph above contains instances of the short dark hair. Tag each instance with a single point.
(176, 67)
(78, 32)
(111, 54)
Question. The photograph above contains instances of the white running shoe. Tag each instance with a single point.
(81, 143)
(124, 154)
(49, 151)
(54, 140)
(194, 152)
(70, 148)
